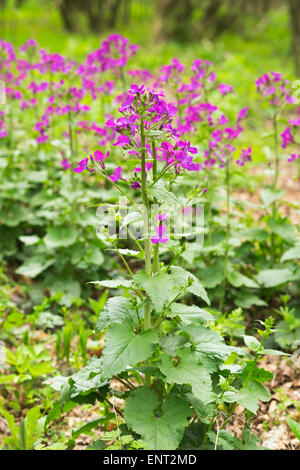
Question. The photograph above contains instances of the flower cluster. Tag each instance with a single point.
(273, 85)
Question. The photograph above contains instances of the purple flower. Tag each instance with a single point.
(162, 216)
(116, 174)
(244, 157)
(99, 156)
(287, 137)
(243, 112)
(65, 164)
(293, 157)
(82, 165)
(224, 88)
(159, 237)
(122, 141)
(148, 166)
(135, 89)
(135, 185)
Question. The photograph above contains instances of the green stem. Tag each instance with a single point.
(148, 267)
(275, 181)
(227, 182)
(154, 172)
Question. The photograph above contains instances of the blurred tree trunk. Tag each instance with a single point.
(66, 8)
(95, 10)
(294, 8)
(126, 14)
(221, 15)
(100, 14)
(175, 18)
(114, 10)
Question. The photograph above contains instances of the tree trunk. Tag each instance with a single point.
(294, 9)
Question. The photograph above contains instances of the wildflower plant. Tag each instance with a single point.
(179, 377)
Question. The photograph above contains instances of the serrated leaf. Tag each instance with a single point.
(158, 432)
(252, 343)
(190, 371)
(171, 342)
(251, 394)
(123, 348)
(190, 313)
(159, 191)
(159, 287)
(131, 217)
(113, 283)
(257, 374)
(89, 378)
(116, 310)
(210, 342)
(183, 277)
(274, 352)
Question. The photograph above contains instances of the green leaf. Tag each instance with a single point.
(275, 277)
(270, 195)
(190, 313)
(252, 343)
(295, 427)
(60, 236)
(116, 310)
(284, 229)
(57, 382)
(126, 252)
(212, 276)
(210, 342)
(124, 348)
(87, 427)
(256, 373)
(131, 217)
(190, 371)
(246, 299)
(291, 254)
(162, 432)
(171, 342)
(29, 239)
(205, 411)
(238, 279)
(223, 440)
(251, 394)
(274, 352)
(113, 283)
(97, 445)
(249, 441)
(159, 191)
(34, 266)
(89, 378)
(184, 278)
(253, 234)
(160, 288)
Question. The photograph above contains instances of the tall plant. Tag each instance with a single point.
(180, 381)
